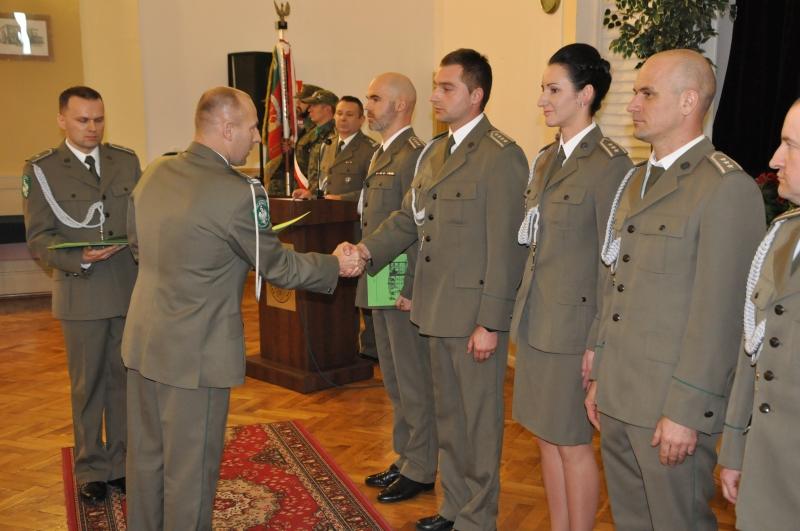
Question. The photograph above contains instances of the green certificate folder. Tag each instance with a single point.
(122, 240)
(385, 286)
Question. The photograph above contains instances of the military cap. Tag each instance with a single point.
(307, 91)
(322, 96)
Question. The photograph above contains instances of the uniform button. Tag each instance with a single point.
(104, 197)
(427, 258)
(108, 214)
(366, 204)
(367, 185)
(621, 288)
(566, 196)
(66, 274)
(427, 238)
(626, 258)
(365, 223)
(769, 376)
(764, 408)
(72, 196)
(616, 317)
(480, 282)
(583, 299)
(708, 414)
(631, 229)
(779, 309)
(755, 295)
(434, 196)
(528, 191)
(126, 188)
(111, 233)
(458, 194)
(662, 227)
(430, 217)
(774, 342)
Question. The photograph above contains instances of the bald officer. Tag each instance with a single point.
(681, 233)
(197, 226)
(403, 353)
(79, 192)
(762, 428)
(463, 211)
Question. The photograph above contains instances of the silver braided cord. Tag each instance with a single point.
(754, 334)
(419, 216)
(610, 250)
(59, 212)
(529, 229)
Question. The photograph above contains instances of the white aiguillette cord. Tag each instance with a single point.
(59, 212)
(610, 250)
(259, 280)
(419, 216)
(529, 229)
(754, 334)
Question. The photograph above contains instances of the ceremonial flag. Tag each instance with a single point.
(280, 123)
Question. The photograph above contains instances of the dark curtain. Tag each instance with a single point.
(762, 81)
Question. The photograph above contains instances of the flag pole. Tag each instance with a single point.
(283, 9)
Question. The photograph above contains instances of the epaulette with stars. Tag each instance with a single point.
(120, 148)
(723, 162)
(611, 148)
(415, 142)
(43, 155)
(500, 138)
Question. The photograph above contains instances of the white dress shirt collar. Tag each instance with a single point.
(81, 156)
(348, 139)
(464, 130)
(570, 145)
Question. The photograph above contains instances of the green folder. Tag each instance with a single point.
(121, 240)
(385, 286)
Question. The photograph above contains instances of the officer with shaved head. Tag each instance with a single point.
(681, 234)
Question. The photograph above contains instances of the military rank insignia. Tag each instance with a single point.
(262, 213)
(26, 185)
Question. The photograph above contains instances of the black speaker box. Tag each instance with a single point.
(248, 71)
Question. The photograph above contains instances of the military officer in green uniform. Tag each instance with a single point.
(463, 210)
(681, 232)
(762, 427)
(321, 105)
(79, 192)
(197, 226)
(403, 353)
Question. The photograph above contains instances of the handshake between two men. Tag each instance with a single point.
(352, 258)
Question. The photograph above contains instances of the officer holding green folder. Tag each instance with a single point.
(78, 192)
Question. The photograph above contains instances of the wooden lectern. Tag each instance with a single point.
(309, 341)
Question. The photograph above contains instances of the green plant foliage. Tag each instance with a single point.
(650, 26)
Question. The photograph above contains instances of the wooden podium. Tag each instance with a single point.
(309, 341)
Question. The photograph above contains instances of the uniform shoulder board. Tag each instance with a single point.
(440, 136)
(372, 142)
(723, 162)
(499, 138)
(415, 142)
(121, 148)
(546, 147)
(611, 148)
(43, 155)
(640, 163)
(793, 213)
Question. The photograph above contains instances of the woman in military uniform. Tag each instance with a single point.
(568, 198)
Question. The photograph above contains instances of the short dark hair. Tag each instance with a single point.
(477, 71)
(353, 99)
(86, 93)
(585, 67)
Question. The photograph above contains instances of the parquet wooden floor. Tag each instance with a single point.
(353, 424)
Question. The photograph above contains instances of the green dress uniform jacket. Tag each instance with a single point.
(191, 222)
(344, 173)
(469, 262)
(671, 320)
(91, 303)
(387, 182)
(104, 289)
(762, 427)
(563, 276)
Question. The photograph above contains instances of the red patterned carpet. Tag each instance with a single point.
(273, 476)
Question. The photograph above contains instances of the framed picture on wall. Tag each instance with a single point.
(24, 36)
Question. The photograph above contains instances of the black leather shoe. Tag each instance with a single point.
(93, 491)
(401, 489)
(118, 483)
(383, 479)
(436, 522)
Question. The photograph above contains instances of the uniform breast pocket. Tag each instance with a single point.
(76, 202)
(379, 191)
(563, 205)
(123, 188)
(455, 200)
(662, 244)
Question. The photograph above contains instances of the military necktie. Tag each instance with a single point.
(655, 173)
(561, 156)
(89, 161)
(451, 141)
(339, 146)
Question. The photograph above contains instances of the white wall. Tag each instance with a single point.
(338, 45)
